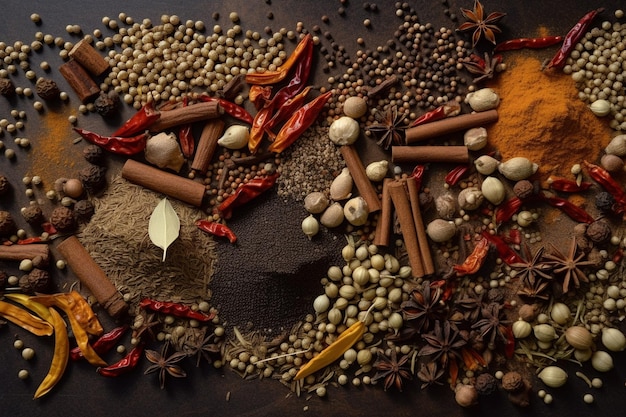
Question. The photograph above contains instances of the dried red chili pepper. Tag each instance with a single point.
(530, 43)
(572, 37)
(506, 210)
(603, 177)
(509, 346)
(572, 210)
(286, 110)
(618, 255)
(257, 131)
(418, 174)
(140, 121)
(29, 240)
(104, 343)
(124, 365)
(513, 236)
(259, 95)
(231, 108)
(273, 77)
(300, 121)
(247, 192)
(185, 136)
(505, 253)
(175, 309)
(446, 110)
(455, 175)
(475, 260)
(568, 186)
(216, 229)
(299, 77)
(119, 145)
(49, 228)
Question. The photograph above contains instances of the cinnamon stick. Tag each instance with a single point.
(207, 144)
(21, 252)
(450, 125)
(363, 184)
(172, 185)
(188, 114)
(420, 229)
(383, 226)
(424, 154)
(89, 58)
(92, 276)
(405, 217)
(82, 84)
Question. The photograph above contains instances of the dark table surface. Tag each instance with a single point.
(205, 390)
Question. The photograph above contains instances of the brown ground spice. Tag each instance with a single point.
(542, 119)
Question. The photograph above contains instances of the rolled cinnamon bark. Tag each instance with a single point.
(79, 80)
(424, 154)
(405, 217)
(450, 125)
(92, 276)
(20, 252)
(188, 114)
(363, 184)
(89, 58)
(207, 144)
(172, 185)
(383, 226)
(422, 238)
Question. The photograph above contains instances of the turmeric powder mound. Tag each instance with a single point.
(542, 119)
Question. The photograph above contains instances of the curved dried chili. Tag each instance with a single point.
(527, 43)
(475, 260)
(185, 135)
(568, 186)
(573, 211)
(140, 121)
(572, 38)
(119, 145)
(273, 77)
(104, 343)
(455, 174)
(124, 365)
(230, 108)
(216, 229)
(175, 309)
(247, 192)
(603, 177)
(506, 210)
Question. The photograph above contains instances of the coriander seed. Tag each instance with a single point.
(28, 353)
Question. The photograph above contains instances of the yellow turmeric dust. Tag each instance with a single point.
(541, 118)
(53, 149)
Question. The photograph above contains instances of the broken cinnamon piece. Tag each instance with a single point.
(422, 238)
(450, 125)
(89, 58)
(80, 81)
(405, 217)
(424, 154)
(188, 114)
(385, 85)
(20, 252)
(207, 144)
(383, 225)
(363, 184)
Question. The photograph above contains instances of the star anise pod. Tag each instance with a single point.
(533, 267)
(201, 346)
(389, 128)
(164, 364)
(144, 324)
(423, 307)
(391, 369)
(491, 325)
(485, 68)
(444, 342)
(568, 265)
(430, 374)
(481, 25)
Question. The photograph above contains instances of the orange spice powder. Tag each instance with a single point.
(542, 119)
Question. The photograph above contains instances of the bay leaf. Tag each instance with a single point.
(164, 225)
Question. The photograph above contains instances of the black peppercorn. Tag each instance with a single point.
(604, 201)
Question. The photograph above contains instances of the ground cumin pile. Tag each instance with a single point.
(542, 119)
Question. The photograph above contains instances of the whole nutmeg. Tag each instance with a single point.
(4, 185)
(73, 188)
(107, 104)
(83, 209)
(38, 280)
(528, 312)
(7, 224)
(465, 395)
(612, 163)
(470, 198)
(341, 187)
(445, 205)
(599, 231)
(93, 178)
(517, 168)
(33, 215)
(93, 154)
(47, 89)
(333, 216)
(440, 230)
(483, 99)
(617, 146)
(523, 189)
(344, 131)
(63, 219)
(355, 107)
(356, 211)
(315, 202)
(512, 381)
(486, 164)
(475, 139)
(486, 384)
(7, 88)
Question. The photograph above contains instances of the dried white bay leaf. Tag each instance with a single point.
(164, 225)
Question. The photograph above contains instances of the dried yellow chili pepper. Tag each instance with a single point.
(34, 306)
(332, 352)
(82, 339)
(25, 320)
(60, 357)
(74, 304)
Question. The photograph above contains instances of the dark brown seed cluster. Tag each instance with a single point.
(47, 89)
